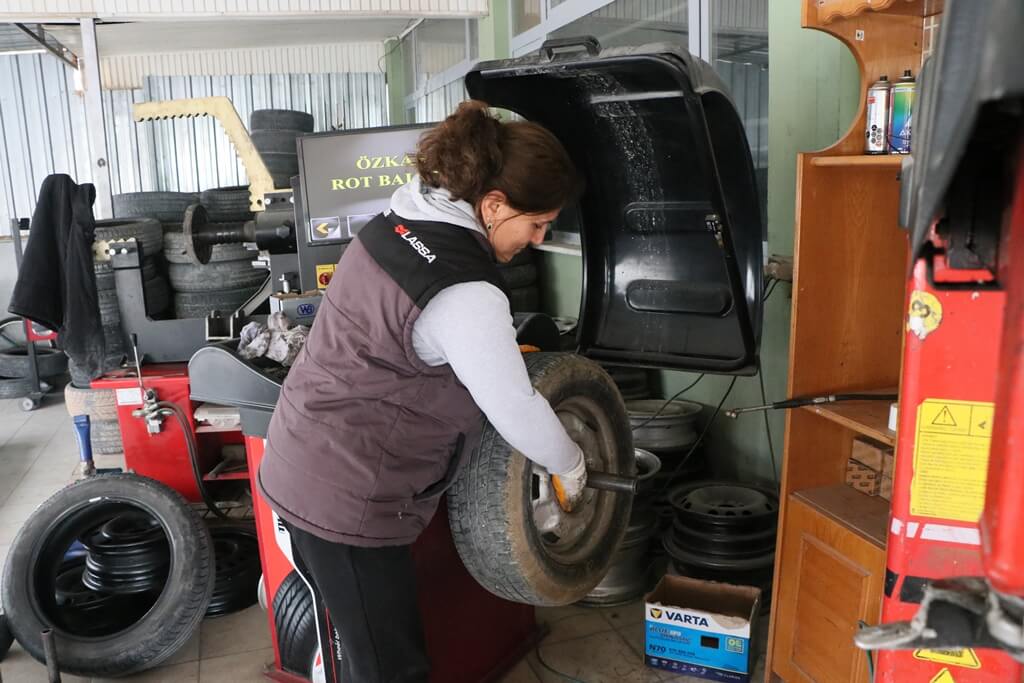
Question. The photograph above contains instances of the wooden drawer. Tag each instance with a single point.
(831, 576)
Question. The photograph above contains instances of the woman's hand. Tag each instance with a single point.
(569, 485)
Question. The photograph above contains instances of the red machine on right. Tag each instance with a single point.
(954, 591)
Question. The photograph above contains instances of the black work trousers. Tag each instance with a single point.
(370, 597)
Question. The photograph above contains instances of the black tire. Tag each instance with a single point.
(98, 404)
(39, 548)
(237, 558)
(295, 624)
(15, 362)
(524, 300)
(491, 504)
(158, 298)
(174, 250)
(199, 304)
(158, 295)
(226, 204)
(281, 119)
(6, 637)
(276, 141)
(281, 165)
(147, 231)
(105, 437)
(15, 387)
(166, 207)
(215, 276)
(105, 274)
(517, 277)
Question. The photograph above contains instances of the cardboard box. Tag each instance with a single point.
(872, 454)
(700, 628)
(885, 487)
(863, 478)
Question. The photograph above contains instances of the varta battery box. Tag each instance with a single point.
(700, 628)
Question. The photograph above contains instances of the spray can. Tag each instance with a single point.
(900, 112)
(877, 126)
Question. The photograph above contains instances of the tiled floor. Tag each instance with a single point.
(38, 455)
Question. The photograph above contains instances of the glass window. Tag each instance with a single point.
(625, 23)
(525, 15)
(739, 45)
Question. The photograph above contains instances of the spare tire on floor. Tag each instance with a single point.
(507, 526)
(29, 589)
(98, 404)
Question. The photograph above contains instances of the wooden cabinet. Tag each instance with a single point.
(850, 261)
(834, 552)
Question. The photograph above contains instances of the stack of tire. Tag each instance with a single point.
(520, 276)
(228, 279)
(101, 407)
(273, 133)
(15, 363)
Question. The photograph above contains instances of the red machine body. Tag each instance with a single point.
(164, 456)
(471, 634)
(961, 416)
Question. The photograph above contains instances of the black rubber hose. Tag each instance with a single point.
(193, 455)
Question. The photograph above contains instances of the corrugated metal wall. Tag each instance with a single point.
(151, 9)
(42, 126)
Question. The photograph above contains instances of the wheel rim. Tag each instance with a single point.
(59, 590)
(572, 537)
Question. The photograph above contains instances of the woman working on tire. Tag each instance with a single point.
(414, 339)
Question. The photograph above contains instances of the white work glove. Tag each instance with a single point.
(569, 485)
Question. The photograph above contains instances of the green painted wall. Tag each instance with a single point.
(813, 97)
(394, 76)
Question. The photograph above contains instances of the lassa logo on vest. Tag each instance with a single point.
(415, 242)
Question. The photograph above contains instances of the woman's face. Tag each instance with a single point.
(511, 231)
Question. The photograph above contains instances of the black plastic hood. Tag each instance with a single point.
(670, 220)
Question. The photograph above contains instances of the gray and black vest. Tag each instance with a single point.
(365, 436)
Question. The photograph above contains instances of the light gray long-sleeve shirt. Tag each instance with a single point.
(469, 326)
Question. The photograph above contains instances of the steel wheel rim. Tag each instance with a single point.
(573, 537)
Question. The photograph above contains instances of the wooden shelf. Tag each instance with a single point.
(864, 515)
(832, 10)
(870, 418)
(860, 160)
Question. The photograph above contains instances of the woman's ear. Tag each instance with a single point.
(490, 205)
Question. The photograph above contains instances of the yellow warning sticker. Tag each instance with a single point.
(965, 658)
(951, 459)
(943, 677)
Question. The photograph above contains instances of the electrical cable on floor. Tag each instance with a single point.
(553, 670)
(668, 402)
(703, 433)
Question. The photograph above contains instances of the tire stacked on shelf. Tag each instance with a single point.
(15, 363)
(166, 207)
(724, 531)
(520, 275)
(223, 284)
(273, 133)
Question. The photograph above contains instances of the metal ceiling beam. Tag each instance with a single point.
(55, 48)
